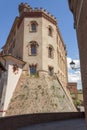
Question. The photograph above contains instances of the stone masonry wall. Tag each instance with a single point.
(39, 95)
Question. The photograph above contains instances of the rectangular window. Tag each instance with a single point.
(33, 50)
(32, 70)
(33, 27)
(14, 43)
(50, 70)
(50, 52)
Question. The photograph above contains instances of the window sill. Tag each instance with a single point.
(51, 57)
(50, 35)
(33, 31)
(33, 55)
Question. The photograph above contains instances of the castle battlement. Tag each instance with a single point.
(24, 7)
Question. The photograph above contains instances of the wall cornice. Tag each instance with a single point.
(36, 15)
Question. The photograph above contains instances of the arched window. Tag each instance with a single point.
(50, 31)
(33, 48)
(33, 26)
(50, 52)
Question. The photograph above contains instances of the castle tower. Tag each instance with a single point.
(35, 38)
(35, 46)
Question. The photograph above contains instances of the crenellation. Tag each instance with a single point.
(30, 9)
(24, 7)
(46, 12)
(36, 9)
(53, 17)
(42, 9)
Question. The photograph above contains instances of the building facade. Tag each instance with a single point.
(72, 87)
(35, 38)
(79, 9)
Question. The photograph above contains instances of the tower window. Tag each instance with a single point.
(50, 70)
(33, 69)
(50, 52)
(33, 26)
(33, 49)
(50, 31)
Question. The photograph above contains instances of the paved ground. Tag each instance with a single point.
(76, 124)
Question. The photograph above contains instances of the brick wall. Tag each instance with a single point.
(72, 87)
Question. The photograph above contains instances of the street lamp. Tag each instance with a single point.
(72, 64)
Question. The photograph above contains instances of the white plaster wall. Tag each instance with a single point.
(11, 83)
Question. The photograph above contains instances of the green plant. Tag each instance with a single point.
(53, 87)
(77, 103)
(36, 75)
(63, 96)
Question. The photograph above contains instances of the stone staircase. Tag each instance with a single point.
(39, 95)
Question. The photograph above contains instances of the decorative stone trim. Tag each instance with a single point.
(29, 48)
(37, 15)
(36, 26)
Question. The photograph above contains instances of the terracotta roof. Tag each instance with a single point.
(13, 58)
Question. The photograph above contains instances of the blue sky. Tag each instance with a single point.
(58, 8)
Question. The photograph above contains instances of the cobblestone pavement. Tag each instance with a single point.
(76, 124)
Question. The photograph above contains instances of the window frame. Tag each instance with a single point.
(50, 52)
(50, 70)
(50, 31)
(32, 43)
(32, 28)
(33, 48)
(33, 69)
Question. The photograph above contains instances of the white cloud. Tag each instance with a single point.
(74, 75)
